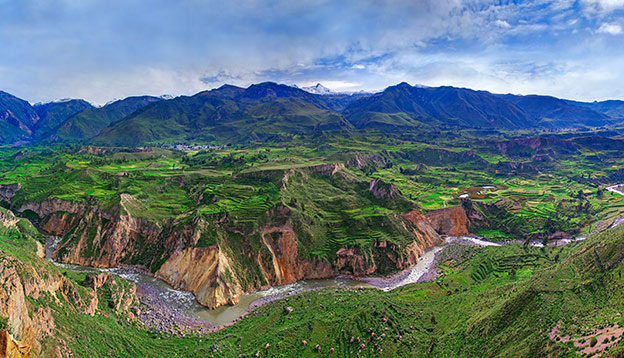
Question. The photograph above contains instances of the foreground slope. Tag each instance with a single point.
(511, 301)
(39, 302)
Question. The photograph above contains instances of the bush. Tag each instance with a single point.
(593, 342)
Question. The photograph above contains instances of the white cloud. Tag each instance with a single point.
(606, 5)
(610, 28)
(502, 23)
(601, 8)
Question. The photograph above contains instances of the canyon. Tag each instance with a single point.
(214, 273)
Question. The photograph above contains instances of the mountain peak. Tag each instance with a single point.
(317, 89)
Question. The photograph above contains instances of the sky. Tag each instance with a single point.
(100, 50)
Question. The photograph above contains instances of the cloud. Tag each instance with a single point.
(612, 29)
(604, 5)
(100, 50)
(502, 23)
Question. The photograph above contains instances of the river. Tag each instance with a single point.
(180, 307)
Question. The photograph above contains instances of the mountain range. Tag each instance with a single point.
(264, 110)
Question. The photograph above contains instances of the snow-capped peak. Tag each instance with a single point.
(166, 97)
(111, 101)
(318, 89)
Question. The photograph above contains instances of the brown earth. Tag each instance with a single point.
(451, 221)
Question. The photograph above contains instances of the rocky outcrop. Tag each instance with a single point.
(451, 221)
(7, 219)
(48, 207)
(11, 348)
(383, 190)
(287, 266)
(360, 161)
(205, 271)
(328, 169)
(27, 329)
(8, 191)
(13, 304)
(351, 261)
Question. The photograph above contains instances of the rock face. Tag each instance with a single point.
(26, 328)
(383, 190)
(425, 235)
(360, 161)
(10, 348)
(206, 272)
(13, 304)
(451, 221)
(286, 265)
(356, 263)
(103, 239)
(210, 275)
(8, 191)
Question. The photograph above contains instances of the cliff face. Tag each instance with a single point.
(26, 325)
(209, 273)
(9, 347)
(101, 239)
(383, 190)
(26, 276)
(451, 221)
(8, 191)
(13, 304)
(286, 266)
(205, 271)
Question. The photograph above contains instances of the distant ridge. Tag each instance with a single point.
(266, 110)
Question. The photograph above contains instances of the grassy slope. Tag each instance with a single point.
(90, 122)
(488, 302)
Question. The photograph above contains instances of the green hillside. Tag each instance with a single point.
(90, 122)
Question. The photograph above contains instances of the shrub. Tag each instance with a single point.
(593, 342)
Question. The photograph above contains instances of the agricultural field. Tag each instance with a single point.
(169, 183)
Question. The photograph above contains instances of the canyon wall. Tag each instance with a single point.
(219, 259)
(451, 221)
